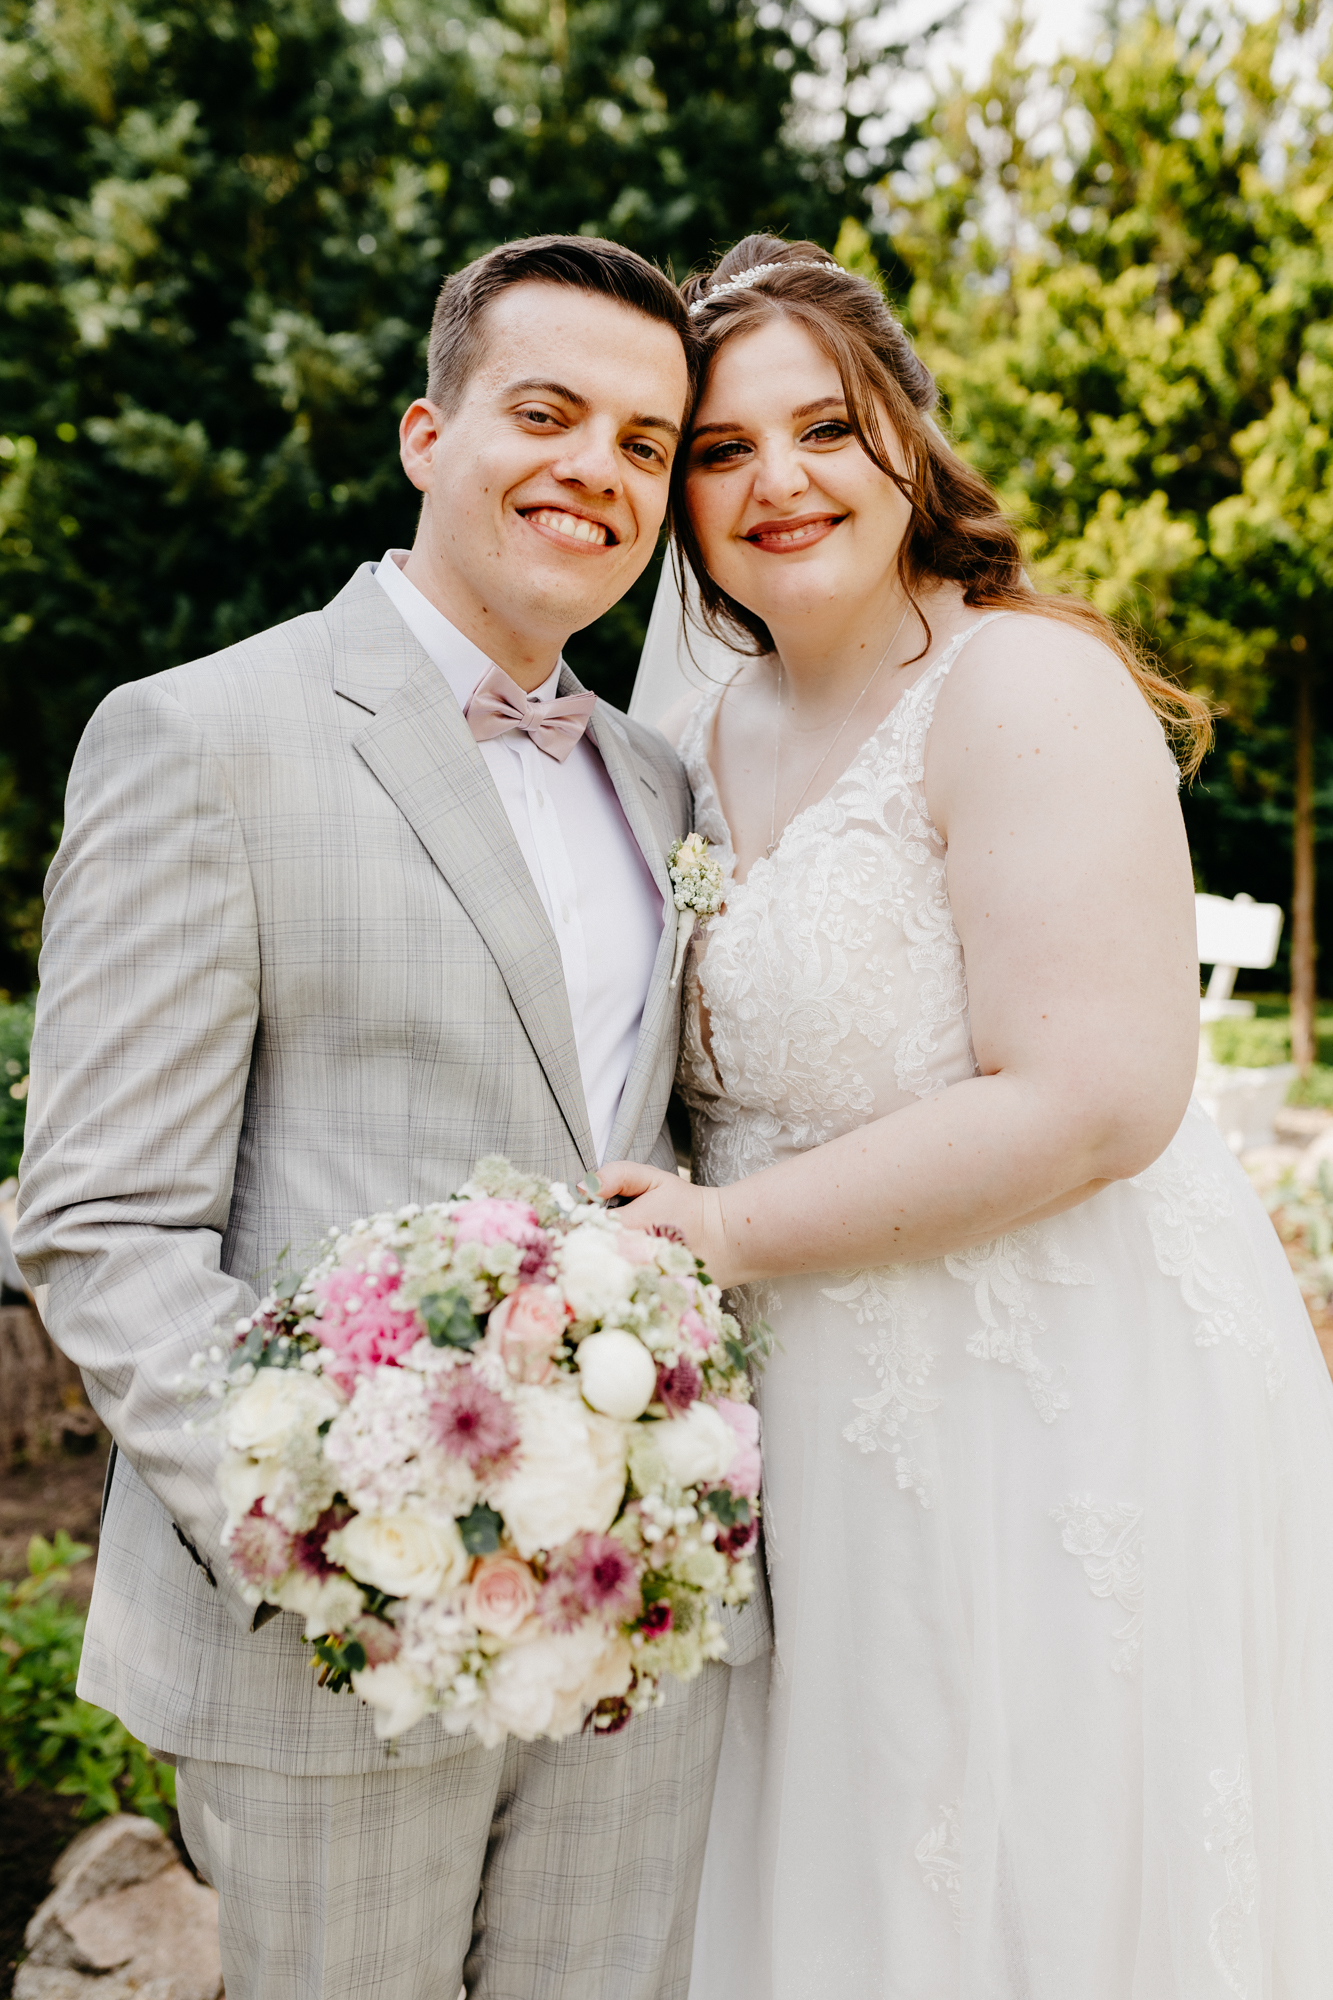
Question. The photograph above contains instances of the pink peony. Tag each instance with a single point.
(525, 1329)
(503, 1592)
(680, 1385)
(363, 1322)
(473, 1422)
(694, 1329)
(594, 1576)
(260, 1548)
(487, 1220)
(743, 1420)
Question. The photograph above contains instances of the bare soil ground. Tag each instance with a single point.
(56, 1492)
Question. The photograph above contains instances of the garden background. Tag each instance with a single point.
(222, 227)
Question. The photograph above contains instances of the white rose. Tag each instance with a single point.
(398, 1698)
(546, 1686)
(696, 1449)
(570, 1474)
(595, 1278)
(617, 1374)
(241, 1481)
(327, 1603)
(279, 1400)
(407, 1555)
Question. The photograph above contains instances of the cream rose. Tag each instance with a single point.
(279, 1401)
(617, 1374)
(546, 1686)
(409, 1554)
(595, 1278)
(241, 1481)
(398, 1698)
(696, 1449)
(501, 1595)
(570, 1475)
(327, 1603)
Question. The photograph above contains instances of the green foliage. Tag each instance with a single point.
(1122, 274)
(1250, 1044)
(15, 1041)
(1313, 1090)
(48, 1736)
(222, 229)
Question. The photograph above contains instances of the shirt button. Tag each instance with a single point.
(564, 913)
(541, 798)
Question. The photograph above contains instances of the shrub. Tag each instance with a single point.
(1250, 1044)
(1314, 1090)
(48, 1735)
(15, 1041)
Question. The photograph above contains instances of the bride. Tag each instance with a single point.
(1048, 1440)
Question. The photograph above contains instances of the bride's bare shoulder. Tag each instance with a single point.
(1036, 701)
(1030, 669)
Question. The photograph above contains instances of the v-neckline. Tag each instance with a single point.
(706, 734)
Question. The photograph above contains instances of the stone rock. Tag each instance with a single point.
(125, 1921)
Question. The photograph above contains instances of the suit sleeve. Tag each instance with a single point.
(145, 1021)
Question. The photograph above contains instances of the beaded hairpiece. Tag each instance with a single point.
(744, 279)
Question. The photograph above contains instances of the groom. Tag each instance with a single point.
(337, 912)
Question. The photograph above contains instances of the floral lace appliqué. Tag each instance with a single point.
(1231, 1833)
(1185, 1204)
(939, 1851)
(1002, 1275)
(1108, 1541)
(901, 1360)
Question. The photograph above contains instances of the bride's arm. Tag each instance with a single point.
(1070, 886)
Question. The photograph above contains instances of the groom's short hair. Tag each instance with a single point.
(588, 263)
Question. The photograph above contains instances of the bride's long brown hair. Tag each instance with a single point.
(957, 531)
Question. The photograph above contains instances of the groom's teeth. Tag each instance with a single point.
(570, 524)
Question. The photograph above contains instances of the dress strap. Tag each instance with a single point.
(916, 710)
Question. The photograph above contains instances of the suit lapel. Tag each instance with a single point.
(622, 767)
(421, 750)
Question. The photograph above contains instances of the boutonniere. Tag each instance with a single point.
(697, 886)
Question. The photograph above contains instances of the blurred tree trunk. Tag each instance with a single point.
(1303, 945)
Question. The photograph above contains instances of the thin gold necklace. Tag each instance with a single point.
(774, 834)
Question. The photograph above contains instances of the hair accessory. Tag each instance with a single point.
(744, 279)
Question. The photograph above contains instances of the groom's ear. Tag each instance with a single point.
(418, 435)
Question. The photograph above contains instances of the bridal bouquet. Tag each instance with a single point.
(498, 1453)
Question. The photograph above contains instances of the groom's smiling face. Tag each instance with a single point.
(547, 485)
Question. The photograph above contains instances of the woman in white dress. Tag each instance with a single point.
(1048, 1439)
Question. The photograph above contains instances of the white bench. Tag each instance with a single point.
(1234, 932)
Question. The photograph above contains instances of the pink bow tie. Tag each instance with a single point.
(498, 704)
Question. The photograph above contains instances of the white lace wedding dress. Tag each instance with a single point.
(1049, 1522)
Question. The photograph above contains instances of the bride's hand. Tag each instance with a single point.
(656, 1199)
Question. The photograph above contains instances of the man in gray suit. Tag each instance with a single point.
(336, 912)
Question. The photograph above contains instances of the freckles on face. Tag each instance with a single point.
(786, 504)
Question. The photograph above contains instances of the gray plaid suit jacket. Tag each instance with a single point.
(294, 969)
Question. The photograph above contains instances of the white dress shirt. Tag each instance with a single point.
(598, 891)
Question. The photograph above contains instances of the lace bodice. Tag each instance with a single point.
(833, 978)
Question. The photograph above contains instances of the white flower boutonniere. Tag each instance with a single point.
(698, 887)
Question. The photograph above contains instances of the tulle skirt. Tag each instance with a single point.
(1050, 1539)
